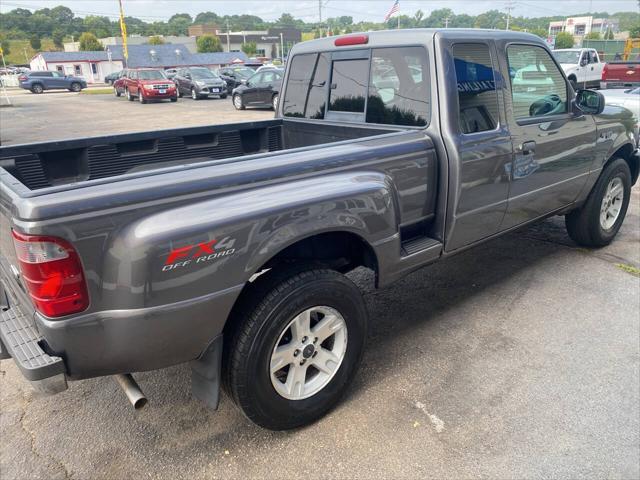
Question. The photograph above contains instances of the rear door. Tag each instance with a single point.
(553, 142)
(476, 135)
(594, 69)
(250, 95)
(268, 86)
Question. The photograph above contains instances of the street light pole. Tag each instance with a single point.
(281, 47)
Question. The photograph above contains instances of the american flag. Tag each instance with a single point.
(394, 9)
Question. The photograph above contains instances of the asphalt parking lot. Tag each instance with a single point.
(58, 115)
(517, 359)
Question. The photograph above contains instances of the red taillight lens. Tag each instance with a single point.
(604, 72)
(351, 40)
(52, 273)
(22, 78)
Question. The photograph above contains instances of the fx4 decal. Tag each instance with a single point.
(199, 253)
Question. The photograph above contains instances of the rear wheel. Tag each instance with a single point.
(597, 222)
(116, 92)
(174, 99)
(274, 102)
(296, 346)
(37, 88)
(75, 87)
(129, 96)
(237, 102)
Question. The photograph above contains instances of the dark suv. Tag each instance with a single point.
(235, 76)
(40, 81)
(199, 82)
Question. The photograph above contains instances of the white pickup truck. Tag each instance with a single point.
(581, 65)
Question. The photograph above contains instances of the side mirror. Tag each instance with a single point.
(590, 101)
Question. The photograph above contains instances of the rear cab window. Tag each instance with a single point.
(383, 86)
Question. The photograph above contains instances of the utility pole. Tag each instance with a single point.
(509, 7)
(446, 22)
(281, 47)
(228, 42)
(320, 17)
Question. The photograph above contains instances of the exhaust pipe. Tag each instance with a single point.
(131, 390)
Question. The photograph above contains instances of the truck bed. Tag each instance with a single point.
(42, 165)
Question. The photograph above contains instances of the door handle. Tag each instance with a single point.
(528, 147)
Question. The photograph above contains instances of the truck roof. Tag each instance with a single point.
(411, 36)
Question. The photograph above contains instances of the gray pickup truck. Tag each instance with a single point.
(227, 246)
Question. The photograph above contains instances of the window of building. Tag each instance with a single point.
(580, 29)
(59, 68)
(78, 69)
(94, 68)
(476, 84)
(538, 88)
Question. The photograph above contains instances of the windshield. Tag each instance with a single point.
(243, 72)
(151, 75)
(568, 56)
(202, 73)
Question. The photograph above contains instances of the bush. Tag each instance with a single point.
(250, 48)
(156, 40)
(592, 36)
(6, 46)
(35, 43)
(564, 40)
(208, 43)
(89, 43)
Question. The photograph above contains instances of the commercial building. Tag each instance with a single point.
(271, 43)
(581, 26)
(94, 66)
(187, 41)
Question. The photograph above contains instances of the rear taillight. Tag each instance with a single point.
(604, 72)
(22, 78)
(52, 274)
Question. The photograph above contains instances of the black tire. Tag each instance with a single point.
(37, 88)
(238, 103)
(584, 225)
(223, 96)
(274, 102)
(174, 99)
(129, 96)
(75, 87)
(265, 312)
(194, 95)
(141, 98)
(116, 92)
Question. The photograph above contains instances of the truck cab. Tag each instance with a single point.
(582, 66)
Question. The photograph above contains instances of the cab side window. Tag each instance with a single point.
(538, 88)
(476, 84)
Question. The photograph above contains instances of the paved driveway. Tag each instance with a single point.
(517, 359)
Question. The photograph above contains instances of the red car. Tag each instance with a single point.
(145, 84)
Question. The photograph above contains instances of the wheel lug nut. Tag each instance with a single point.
(296, 353)
(314, 354)
(303, 361)
(315, 340)
(304, 339)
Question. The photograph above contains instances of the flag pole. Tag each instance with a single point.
(398, 20)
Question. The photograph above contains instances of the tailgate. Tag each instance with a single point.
(623, 72)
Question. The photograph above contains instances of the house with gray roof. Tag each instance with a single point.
(94, 66)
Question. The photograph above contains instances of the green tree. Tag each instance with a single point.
(155, 40)
(207, 17)
(89, 43)
(592, 36)
(564, 40)
(100, 26)
(35, 43)
(58, 38)
(208, 43)
(635, 32)
(609, 34)
(250, 48)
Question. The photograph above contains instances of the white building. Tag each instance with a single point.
(92, 66)
(581, 26)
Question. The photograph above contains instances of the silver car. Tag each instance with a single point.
(629, 99)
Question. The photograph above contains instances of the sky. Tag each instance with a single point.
(307, 10)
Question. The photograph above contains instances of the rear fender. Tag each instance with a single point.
(217, 244)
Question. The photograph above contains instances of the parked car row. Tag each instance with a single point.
(39, 81)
